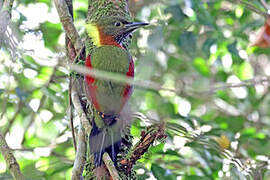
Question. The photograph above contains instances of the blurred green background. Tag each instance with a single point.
(199, 48)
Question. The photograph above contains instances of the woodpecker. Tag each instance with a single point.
(109, 53)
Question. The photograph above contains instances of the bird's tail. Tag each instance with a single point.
(107, 139)
(111, 136)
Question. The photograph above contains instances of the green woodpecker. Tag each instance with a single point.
(109, 98)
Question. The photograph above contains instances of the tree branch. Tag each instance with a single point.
(80, 112)
(5, 16)
(73, 41)
(147, 139)
(110, 166)
(11, 121)
(265, 5)
(71, 113)
(67, 22)
(10, 159)
(71, 53)
(251, 7)
(119, 78)
(80, 157)
(245, 83)
(150, 85)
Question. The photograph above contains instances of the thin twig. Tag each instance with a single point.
(245, 83)
(71, 54)
(12, 164)
(12, 120)
(110, 166)
(105, 75)
(71, 114)
(251, 7)
(265, 5)
(150, 85)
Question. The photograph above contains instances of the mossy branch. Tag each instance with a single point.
(147, 139)
(110, 166)
(11, 161)
(80, 159)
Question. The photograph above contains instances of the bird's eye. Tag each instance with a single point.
(118, 24)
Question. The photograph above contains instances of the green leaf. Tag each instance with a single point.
(201, 66)
(157, 148)
(135, 131)
(161, 173)
(245, 71)
(44, 74)
(176, 64)
(249, 131)
(30, 62)
(202, 14)
(30, 171)
(51, 33)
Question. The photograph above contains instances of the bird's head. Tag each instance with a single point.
(111, 30)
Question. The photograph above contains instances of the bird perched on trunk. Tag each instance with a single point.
(109, 98)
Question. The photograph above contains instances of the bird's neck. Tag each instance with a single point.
(107, 39)
(99, 38)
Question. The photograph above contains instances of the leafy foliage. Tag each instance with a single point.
(199, 48)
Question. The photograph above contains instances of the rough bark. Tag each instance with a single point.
(5, 16)
(12, 164)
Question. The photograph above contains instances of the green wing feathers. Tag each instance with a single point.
(109, 94)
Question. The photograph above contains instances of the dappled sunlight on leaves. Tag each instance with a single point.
(216, 118)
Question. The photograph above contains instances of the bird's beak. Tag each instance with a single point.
(134, 25)
(128, 29)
